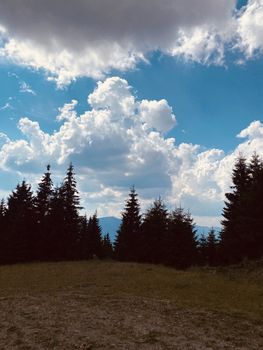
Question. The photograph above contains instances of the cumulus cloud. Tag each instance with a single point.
(253, 131)
(254, 139)
(91, 38)
(203, 44)
(157, 115)
(121, 142)
(250, 28)
(97, 22)
(113, 94)
(3, 139)
(111, 137)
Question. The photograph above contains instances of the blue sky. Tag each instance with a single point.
(166, 98)
(205, 99)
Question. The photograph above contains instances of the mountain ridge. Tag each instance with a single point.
(110, 225)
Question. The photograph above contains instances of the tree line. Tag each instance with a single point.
(48, 225)
(170, 238)
(242, 233)
(163, 237)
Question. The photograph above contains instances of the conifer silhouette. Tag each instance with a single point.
(43, 213)
(20, 216)
(180, 241)
(153, 232)
(126, 243)
(241, 236)
(94, 240)
(107, 249)
(71, 205)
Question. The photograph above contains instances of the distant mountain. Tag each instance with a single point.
(205, 229)
(110, 225)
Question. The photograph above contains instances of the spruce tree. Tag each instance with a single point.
(90, 238)
(202, 247)
(153, 232)
(20, 216)
(180, 242)
(43, 212)
(71, 201)
(44, 195)
(57, 238)
(2, 211)
(255, 228)
(126, 243)
(212, 248)
(235, 213)
(107, 249)
(94, 239)
(83, 241)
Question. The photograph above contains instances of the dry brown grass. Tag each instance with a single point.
(109, 305)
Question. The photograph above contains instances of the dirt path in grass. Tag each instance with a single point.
(76, 319)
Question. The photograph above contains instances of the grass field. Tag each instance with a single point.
(110, 305)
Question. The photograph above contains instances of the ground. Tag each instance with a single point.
(110, 305)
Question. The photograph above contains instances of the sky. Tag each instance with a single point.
(160, 94)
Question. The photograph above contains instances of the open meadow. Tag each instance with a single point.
(110, 305)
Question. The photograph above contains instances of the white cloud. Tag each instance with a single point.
(113, 94)
(3, 139)
(250, 28)
(65, 65)
(68, 112)
(112, 149)
(209, 221)
(92, 38)
(254, 135)
(111, 132)
(7, 105)
(253, 131)
(25, 88)
(202, 45)
(157, 115)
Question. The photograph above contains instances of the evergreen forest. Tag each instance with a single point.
(47, 225)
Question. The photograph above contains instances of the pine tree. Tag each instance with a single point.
(254, 205)
(212, 248)
(153, 233)
(180, 243)
(202, 246)
(107, 249)
(21, 224)
(126, 243)
(2, 211)
(233, 245)
(71, 201)
(83, 241)
(43, 212)
(44, 195)
(255, 167)
(94, 239)
(56, 236)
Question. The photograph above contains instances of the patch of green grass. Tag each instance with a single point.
(217, 290)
